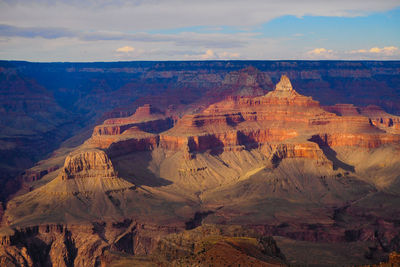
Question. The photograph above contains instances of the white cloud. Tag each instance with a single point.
(377, 51)
(209, 54)
(125, 49)
(388, 50)
(320, 51)
(228, 55)
(139, 15)
(79, 27)
(374, 53)
(359, 51)
(214, 40)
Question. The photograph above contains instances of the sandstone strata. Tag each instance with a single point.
(281, 115)
(140, 126)
(272, 160)
(376, 115)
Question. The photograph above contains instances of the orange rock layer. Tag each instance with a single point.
(282, 116)
(359, 140)
(376, 115)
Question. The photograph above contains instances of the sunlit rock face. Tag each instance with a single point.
(267, 158)
(41, 105)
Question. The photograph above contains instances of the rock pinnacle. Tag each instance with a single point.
(284, 84)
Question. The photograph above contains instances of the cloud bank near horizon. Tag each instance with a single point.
(96, 30)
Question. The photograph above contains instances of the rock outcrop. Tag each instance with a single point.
(376, 115)
(218, 245)
(77, 245)
(145, 121)
(208, 245)
(279, 163)
(282, 116)
(284, 88)
(87, 171)
(41, 105)
(86, 187)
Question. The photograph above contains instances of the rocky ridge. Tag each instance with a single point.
(281, 114)
(44, 104)
(271, 160)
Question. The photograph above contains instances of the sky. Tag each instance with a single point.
(122, 30)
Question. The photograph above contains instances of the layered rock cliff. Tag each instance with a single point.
(376, 115)
(78, 245)
(138, 128)
(278, 163)
(280, 115)
(84, 188)
(41, 105)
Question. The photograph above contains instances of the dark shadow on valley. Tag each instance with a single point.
(247, 141)
(133, 167)
(331, 154)
(212, 144)
(197, 220)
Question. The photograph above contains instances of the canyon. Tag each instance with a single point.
(263, 170)
(44, 104)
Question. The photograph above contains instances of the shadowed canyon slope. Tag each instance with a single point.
(265, 157)
(43, 104)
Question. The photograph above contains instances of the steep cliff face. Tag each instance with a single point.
(87, 164)
(220, 245)
(138, 127)
(376, 115)
(78, 245)
(207, 245)
(282, 114)
(236, 138)
(44, 104)
(292, 126)
(86, 187)
(278, 161)
(279, 115)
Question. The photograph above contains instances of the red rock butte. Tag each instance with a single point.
(277, 162)
(281, 116)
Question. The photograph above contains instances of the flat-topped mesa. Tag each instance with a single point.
(343, 109)
(376, 116)
(145, 112)
(87, 164)
(86, 171)
(141, 125)
(381, 119)
(85, 189)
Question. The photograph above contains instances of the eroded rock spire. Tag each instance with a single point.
(284, 84)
